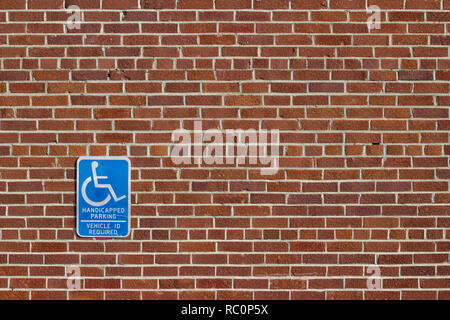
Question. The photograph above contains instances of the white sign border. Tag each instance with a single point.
(129, 192)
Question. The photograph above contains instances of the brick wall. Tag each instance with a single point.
(363, 119)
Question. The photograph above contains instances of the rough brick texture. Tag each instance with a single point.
(364, 169)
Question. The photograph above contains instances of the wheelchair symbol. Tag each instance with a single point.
(94, 177)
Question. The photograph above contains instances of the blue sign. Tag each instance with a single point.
(103, 196)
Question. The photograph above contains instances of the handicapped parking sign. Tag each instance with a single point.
(103, 196)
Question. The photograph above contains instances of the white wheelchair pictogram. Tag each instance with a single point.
(94, 177)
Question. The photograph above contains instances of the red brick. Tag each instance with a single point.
(195, 4)
(233, 4)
